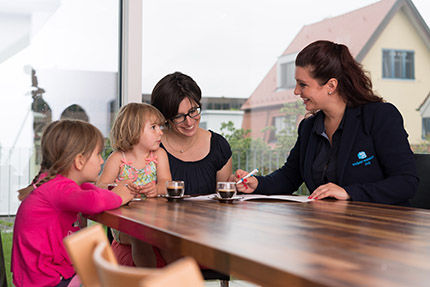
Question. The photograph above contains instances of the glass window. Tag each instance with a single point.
(282, 125)
(287, 75)
(246, 49)
(398, 64)
(426, 128)
(58, 59)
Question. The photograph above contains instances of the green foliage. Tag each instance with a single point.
(249, 153)
(423, 147)
(239, 139)
(107, 150)
(6, 238)
(285, 140)
(241, 144)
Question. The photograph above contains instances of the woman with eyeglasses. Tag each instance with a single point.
(197, 156)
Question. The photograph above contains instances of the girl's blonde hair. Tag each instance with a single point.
(129, 123)
(61, 142)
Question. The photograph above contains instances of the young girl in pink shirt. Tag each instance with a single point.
(135, 137)
(52, 202)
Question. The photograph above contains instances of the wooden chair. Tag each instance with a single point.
(181, 273)
(80, 247)
(422, 197)
(208, 274)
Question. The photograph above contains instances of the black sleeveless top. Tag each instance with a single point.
(200, 176)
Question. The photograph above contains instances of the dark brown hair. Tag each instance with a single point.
(169, 92)
(328, 60)
(61, 142)
(129, 123)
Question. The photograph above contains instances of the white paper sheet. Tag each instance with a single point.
(241, 197)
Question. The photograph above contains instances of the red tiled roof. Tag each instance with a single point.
(357, 30)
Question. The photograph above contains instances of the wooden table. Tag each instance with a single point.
(279, 243)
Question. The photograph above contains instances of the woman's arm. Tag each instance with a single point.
(110, 171)
(163, 171)
(225, 172)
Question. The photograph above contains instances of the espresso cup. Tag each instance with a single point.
(226, 190)
(175, 188)
(111, 186)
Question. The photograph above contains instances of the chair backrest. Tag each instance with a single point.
(176, 274)
(111, 274)
(80, 247)
(181, 273)
(422, 197)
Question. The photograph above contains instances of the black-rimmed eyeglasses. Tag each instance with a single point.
(192, 113)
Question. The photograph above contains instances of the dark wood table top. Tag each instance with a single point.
(279, 243)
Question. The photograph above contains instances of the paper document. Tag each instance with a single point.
(298, 198)
(240, 197)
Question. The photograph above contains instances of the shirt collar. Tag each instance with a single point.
(319, 123)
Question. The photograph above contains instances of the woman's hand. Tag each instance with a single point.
(248, 185)
(330, 190)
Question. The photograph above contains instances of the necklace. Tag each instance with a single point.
(182, 149)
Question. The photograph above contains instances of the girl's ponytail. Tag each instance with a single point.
(23, 192)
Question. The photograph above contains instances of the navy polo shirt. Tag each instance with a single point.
(325, 162)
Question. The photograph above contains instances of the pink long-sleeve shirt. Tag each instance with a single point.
(47, 215)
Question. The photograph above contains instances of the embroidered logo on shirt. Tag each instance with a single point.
(361, 155)
(363, 159)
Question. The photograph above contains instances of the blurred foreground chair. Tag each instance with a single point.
(422, 197)
(208, 274)
(182, 273)
(80, 247)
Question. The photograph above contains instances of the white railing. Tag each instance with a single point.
(17, 169)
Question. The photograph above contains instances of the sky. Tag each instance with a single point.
(228, 46)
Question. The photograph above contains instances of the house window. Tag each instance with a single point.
(287, 80)
(426, 128)
(283, 125)
(398, 64)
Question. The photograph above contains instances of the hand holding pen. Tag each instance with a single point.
(247, 182)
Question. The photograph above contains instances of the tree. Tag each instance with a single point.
(242, 145)
(286, 139)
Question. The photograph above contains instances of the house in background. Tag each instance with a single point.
(389, 38)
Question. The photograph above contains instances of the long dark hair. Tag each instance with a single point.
(328, 60)
(169, 92)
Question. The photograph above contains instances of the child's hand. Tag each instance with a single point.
(123, 190)
(135, 189)
(248, 185)
(149, 189)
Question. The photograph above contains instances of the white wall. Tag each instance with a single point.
(212, 119)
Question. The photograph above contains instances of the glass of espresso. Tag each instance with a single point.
(175, 188)
(226, 190)
(111, 186)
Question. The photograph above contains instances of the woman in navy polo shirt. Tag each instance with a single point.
(353, 146)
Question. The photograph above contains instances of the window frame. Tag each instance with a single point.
(285, 60)
(403, 65)
(130, 58)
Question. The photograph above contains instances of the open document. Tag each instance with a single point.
(242, 197)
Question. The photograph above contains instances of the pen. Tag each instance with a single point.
(248, 175)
